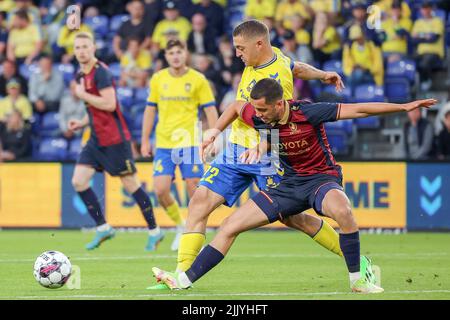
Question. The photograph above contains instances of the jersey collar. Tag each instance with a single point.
(267, 63)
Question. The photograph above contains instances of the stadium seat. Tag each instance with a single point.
(369, 93)
(334, 65)
(36, 123)
(53, 149)
(115, 70)
(27, 70)
(99, 25)
(338, 141)
(74, 149)
(368, 123)
(141, 95)
(136, 126)
(49, 124)
(402, 69)
(116, 21)
(137, 108)
(68, 72)
(345, 94)
(345, 126)
(398, 90)
(125, 96)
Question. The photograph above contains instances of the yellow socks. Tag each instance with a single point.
(328, 238)
(190, 246)
(173, 211)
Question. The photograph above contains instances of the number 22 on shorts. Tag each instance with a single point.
(211, 173)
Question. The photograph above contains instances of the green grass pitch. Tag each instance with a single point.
(261, 265)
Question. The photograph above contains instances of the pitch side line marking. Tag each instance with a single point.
(243, 294)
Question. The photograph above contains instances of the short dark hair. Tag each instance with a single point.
(175, 43)
(22, 14)
(250, 29)
(269, 89)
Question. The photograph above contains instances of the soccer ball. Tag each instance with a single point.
(52, 269)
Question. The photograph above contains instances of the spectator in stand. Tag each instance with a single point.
(46, 86)
(171, 23)
(286, 9)
(260, 9)
(200, 40)
(135, 65)
(27, 6)
(359, 13)
(15, 138)
(229, 64)
(290, 47)
(230, 95)
(24, 40)
(214, 15)
(153, 12)
(386, 5)
(275, 32)
(428, 35)
(10, 72)
(362, 60)
(71, 108)
(7, 5)
(326, 40)
(418, 133)
(15, 100)
(66, 39)
(136, 26)
(331, 7)
(204, 64)
(3, 35)
(396, 31)
(53, 18)
(443, 139)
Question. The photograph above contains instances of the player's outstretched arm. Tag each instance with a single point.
(147, 128)
(307, 72)
(106, 101)
(362, 110)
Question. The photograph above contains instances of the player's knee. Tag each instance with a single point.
(297, 221)
(78, 184)
(160, 192)
(343, 211)
(228, 229)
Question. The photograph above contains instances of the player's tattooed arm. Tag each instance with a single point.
(307, 72)
(362, 110)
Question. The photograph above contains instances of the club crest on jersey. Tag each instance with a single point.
(271, 183)
(195, 169)
(165, 86)
(187, 87)
(294, 128)
(295, 107)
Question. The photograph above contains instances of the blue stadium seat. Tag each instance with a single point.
(345, 126)
(368, 123)
(99, 25)
(114, 68)
(125, 96)
(137, 108)
(36, 123)
(136, 127)
(68, 72)
(436, 13)
(402, 69)
(116, 22)
(141, 95)
(49, 124)
(338, 141)
(27, 70)
(369, 93)
(334, 65)
(345, 94)
(397, 90)
(53, 149)
(74, 148)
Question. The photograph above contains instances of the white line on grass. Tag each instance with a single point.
(239, 294)
(424, 255)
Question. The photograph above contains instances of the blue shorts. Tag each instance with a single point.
(296, 194)
(230, 178)
(166, 160)
(116, 159)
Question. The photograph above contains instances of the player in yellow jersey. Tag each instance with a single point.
(227, 177)
(177, 93)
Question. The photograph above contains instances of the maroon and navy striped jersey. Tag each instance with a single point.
(302, 144)
(107, 128)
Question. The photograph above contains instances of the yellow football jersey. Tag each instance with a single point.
(280, 69)
(179, 100)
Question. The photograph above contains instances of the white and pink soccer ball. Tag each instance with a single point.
(52, 269)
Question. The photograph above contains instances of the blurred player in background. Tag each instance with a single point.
(108, 147)
(227, 179)
(312, 177)
(178, 93)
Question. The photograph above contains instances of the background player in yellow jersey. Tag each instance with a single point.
(177, 93)
(227, 178)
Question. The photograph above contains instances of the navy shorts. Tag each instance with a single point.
(296, 194)
(116, 159)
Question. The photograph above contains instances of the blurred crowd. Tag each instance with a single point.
(358, 40)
